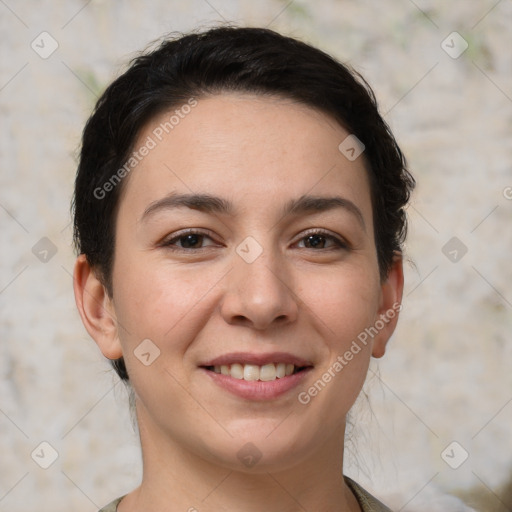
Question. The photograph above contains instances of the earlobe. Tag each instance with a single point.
(96, 309)
(390, 305)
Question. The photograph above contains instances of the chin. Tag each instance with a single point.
(260, 449)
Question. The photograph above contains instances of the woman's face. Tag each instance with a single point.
(279, 269)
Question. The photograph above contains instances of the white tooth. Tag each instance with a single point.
(251, 372)
(289, 369)
(224, 369)
(268, 372)
(237, 371)
(216, 369)
(280, 370)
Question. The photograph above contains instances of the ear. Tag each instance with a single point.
(96, 309)
(390, 305)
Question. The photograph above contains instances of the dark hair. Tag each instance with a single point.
(253, 60)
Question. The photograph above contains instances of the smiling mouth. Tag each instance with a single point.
(253, 372)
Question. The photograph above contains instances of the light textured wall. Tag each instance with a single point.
(446, 376)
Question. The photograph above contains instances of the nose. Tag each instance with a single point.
(259, 294)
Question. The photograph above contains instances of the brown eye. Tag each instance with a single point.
(189, 240)
(315, 241)
(321, 240)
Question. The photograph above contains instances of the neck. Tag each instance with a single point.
(175, 479)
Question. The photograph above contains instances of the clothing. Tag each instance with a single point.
(112, 507)
(367, 502)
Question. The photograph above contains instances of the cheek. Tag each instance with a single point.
(161, 302)
(344, 301)
(163, 306)
(343, 305)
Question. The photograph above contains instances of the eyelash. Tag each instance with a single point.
(169, 244)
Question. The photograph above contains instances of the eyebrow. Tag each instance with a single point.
(212, 204)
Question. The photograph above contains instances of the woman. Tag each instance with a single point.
(239, 218)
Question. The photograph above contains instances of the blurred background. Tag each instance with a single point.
(436, 429)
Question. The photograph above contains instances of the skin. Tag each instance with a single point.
(258, 152)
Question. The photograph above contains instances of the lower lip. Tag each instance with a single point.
(257, 389)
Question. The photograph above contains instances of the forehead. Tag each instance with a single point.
(247, 148)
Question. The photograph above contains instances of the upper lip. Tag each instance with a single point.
(257, 359)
